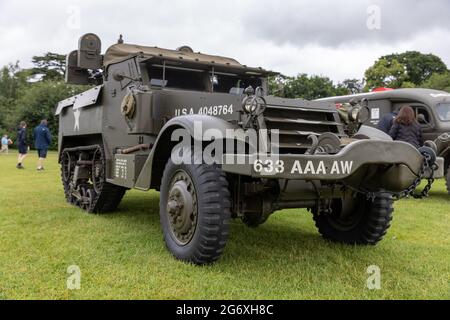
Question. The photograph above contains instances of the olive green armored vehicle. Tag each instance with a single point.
(432, 108)
(203, 131)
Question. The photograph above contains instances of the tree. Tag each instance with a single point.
(32, 101)
(407, 84)
(277, 85)
(351, 86)
(12, 79)
(385, 73)
(51, 66)
(419, 67)
(304, 86)
(404, 70)
(438, 81)
(39, 102)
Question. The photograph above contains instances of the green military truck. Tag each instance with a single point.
(432, 108)
(202, 130)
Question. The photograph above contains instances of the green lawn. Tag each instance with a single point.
(122, 255)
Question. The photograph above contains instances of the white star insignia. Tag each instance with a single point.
(77, 113)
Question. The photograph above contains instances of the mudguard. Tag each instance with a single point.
(188, 123)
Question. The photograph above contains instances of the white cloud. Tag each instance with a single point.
(315, 37)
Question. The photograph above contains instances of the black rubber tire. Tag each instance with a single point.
(374, 219)
(213, 213)
(448, 180)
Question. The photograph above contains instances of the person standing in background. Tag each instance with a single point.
(22, 144)
(406, 128)
(42, 141)
(386, 121)
(5, 144)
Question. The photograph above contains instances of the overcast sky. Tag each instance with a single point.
(339, 39)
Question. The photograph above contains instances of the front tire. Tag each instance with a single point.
(195, 211)
(356, 220)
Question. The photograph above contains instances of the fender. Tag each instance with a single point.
(151, 172)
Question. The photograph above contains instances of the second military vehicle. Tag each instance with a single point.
(432, 108)
(201, 130)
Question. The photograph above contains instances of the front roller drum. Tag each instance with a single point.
(355, 219)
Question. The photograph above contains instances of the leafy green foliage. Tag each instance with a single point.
(419, 67)
(39, 102)
(408, 84)
(305, 87)
(351, 86)
(405, 70)
(438, 81)
(50, 67)
(32, 94)
(12, 81)
(385, 73)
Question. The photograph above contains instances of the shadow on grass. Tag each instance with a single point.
(275, 239)
(441, 195)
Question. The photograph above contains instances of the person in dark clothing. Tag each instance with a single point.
(386, 122)
(22, 144)
(406, 128)
(42, 140)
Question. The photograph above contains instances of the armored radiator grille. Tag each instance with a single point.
(295, 124)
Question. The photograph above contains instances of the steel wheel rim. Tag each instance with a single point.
(181, 208)
(346, 222)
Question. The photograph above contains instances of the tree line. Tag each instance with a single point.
(32, 94)
(410, 69)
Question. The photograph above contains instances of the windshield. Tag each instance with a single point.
(177, 77)
(443, 110)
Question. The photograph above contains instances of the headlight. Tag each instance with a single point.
(250, 108)
(354, 114)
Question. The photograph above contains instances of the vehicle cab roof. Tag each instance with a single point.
(428, 96)
(120, 52)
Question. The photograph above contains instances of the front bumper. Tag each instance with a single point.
(376, 164)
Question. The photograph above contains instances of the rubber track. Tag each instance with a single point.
(107, 201)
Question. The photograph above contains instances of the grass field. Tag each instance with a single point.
(122, 255)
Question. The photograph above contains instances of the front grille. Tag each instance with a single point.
(295, 124)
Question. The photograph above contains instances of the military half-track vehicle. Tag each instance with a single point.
(154, 115)
(432, 108)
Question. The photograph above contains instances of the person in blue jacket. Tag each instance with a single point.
(42, 141)
(22, 144)
(386, 122)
